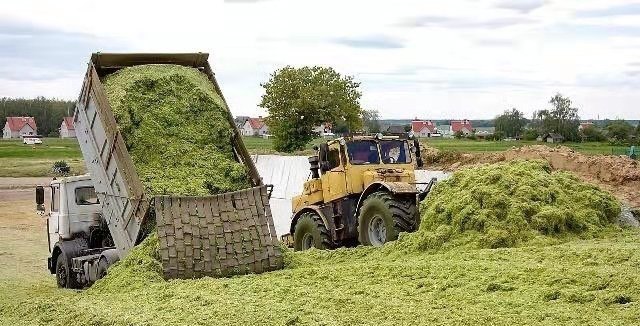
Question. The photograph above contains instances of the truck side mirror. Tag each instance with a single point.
(40, 198)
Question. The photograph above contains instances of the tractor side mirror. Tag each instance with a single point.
(40, 198)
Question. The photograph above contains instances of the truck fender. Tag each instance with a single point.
(71, 248)
(331, 227)
(402, 188)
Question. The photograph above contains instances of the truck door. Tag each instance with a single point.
(54, 216)
(337, 181)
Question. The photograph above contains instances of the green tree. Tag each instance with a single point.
(371, 121)
(592, 133)
(562, 118)
(620, 130)
(530, 134)
(299, 99)
(510, 123)
(458, 134)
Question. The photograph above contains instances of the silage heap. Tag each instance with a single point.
(509, 204)
(175, 127)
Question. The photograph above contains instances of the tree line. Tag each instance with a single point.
(48, 112)
(562, 118)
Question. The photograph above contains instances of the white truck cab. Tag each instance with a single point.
(77, 232)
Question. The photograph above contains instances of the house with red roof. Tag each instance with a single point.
(67, 130)
(18, 127)
(254, 127)
(423, 128)
(585, 125)
(463, 126)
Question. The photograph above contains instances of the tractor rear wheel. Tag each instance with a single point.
(310, 232)
(383, 216)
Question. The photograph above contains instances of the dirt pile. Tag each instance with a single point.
(176, 129)
(510, 203)
(618, 174)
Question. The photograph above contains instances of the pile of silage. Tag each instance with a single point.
(138, 269)
(176, 129)
(508, 204)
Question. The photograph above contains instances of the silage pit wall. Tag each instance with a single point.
(220, 235)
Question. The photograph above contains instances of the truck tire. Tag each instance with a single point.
(64, 275)
(310, 232)
(382, 217)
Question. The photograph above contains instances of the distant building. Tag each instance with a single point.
(423, 128)
(445, 131)
(240, 120)
(18, 127)
(396, 129)
(324, 129)
(463, 126)
(552, 138)
(585, 125)
(254, 127)
(67, 130)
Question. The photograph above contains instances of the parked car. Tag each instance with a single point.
(31, 140)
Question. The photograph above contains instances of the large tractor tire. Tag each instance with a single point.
(382, 217)
(310, 232)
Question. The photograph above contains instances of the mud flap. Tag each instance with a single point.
(223, 235)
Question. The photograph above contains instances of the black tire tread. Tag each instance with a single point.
(403, 210)
(324, 233)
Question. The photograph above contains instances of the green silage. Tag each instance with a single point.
(176, 129)
(511, 203)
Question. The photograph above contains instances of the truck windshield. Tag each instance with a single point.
(395, 151)
(363, 152)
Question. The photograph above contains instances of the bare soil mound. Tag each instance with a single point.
(618, 174)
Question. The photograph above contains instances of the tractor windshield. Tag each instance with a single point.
(395, 151)
(363, 152)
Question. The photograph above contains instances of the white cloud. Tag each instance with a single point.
(432, 59)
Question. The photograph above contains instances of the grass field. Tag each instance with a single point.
(470, 146)
(20, 160)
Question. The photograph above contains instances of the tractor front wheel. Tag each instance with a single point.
(310, 232)
(382, 218)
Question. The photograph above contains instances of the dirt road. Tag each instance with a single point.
(23, 241)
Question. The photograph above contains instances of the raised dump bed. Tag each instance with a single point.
(226, 234)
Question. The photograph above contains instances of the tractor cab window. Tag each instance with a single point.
(363, 152)
(333, 157)
(395, 151)
(86, 196)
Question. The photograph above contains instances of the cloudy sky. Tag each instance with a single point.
(428, 59)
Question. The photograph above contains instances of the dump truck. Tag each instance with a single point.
(96, 220)
(362, 190)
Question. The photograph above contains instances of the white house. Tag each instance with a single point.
(67, 130)
(423, 128)
(463, 126)
(254, 127)
(18, 127)
(324, 129)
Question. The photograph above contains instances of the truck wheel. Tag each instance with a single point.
(310, 232)
(64, 275)
(103, 265)
(383, 217)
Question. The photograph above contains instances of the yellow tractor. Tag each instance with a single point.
(362, 190)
